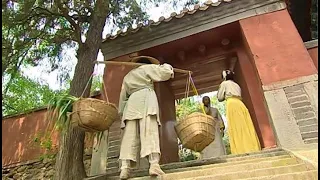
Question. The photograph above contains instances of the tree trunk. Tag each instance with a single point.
(69, 161)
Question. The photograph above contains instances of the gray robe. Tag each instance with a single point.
(217, 147)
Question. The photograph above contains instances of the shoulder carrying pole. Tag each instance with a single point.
(139, 64)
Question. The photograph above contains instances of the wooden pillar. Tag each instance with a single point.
(253, 98)
(168, 136)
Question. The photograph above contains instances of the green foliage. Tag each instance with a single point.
(25, 94)
(226, 143)
(58, 109)
(219, 105)
(185, 107)
(37, 30)
(96, 83)
(188, 155)
(44, 141)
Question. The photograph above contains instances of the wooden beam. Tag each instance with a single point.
(140, 64)
(180, 95)
(161, 59)
(198, 79)
(198, 86)
(196, 63)
(233, 62)
(226, 44)
(202, 50)
(182, 56)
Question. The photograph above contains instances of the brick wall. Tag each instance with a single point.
(293, 108)
(19, 131)
(303, 112)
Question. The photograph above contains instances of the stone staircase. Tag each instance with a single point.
(114, 142)
(304, 112)
(275, 164)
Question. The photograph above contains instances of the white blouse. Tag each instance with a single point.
(228, 89)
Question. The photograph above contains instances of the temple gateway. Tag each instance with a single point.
(271, 45)
(256, 39)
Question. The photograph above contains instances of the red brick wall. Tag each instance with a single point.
(19, 132)
(276, 47)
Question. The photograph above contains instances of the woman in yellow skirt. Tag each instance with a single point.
(242, 135)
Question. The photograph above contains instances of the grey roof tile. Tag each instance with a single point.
(196, 8)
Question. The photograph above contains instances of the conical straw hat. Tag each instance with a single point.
(151, 59)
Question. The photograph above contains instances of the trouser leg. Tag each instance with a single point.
(150, 143)
(130, 144)
(149, 135)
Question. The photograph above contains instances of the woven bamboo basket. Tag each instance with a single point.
(196, 131)
(93, 115)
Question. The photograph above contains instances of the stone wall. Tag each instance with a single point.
(36, 170)
(293, 109)
(312, 47)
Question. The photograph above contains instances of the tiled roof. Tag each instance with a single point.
(162, 19)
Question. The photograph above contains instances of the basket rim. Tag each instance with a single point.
(94, 99)
(197, 114)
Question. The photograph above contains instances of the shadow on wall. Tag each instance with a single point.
(17, 137)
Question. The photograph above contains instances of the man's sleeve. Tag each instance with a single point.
(159, 73)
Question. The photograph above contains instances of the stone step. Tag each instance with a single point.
(216, 160)
(113, 164)
(115, 143)
(308, 135)
(115, 127)
(114, 138)
(305, 122)
(231, 163)
(209, 170)
(112, 159)
(223, 160)
(114, 148)
(306, 175)
(115, 133)
(256, 173)
(219, 165)
(308, 128)
(113, 169)
(113, 154)
(311, 140)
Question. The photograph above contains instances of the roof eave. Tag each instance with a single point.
(189, 24)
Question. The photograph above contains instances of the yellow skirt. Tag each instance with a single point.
(242, 135)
